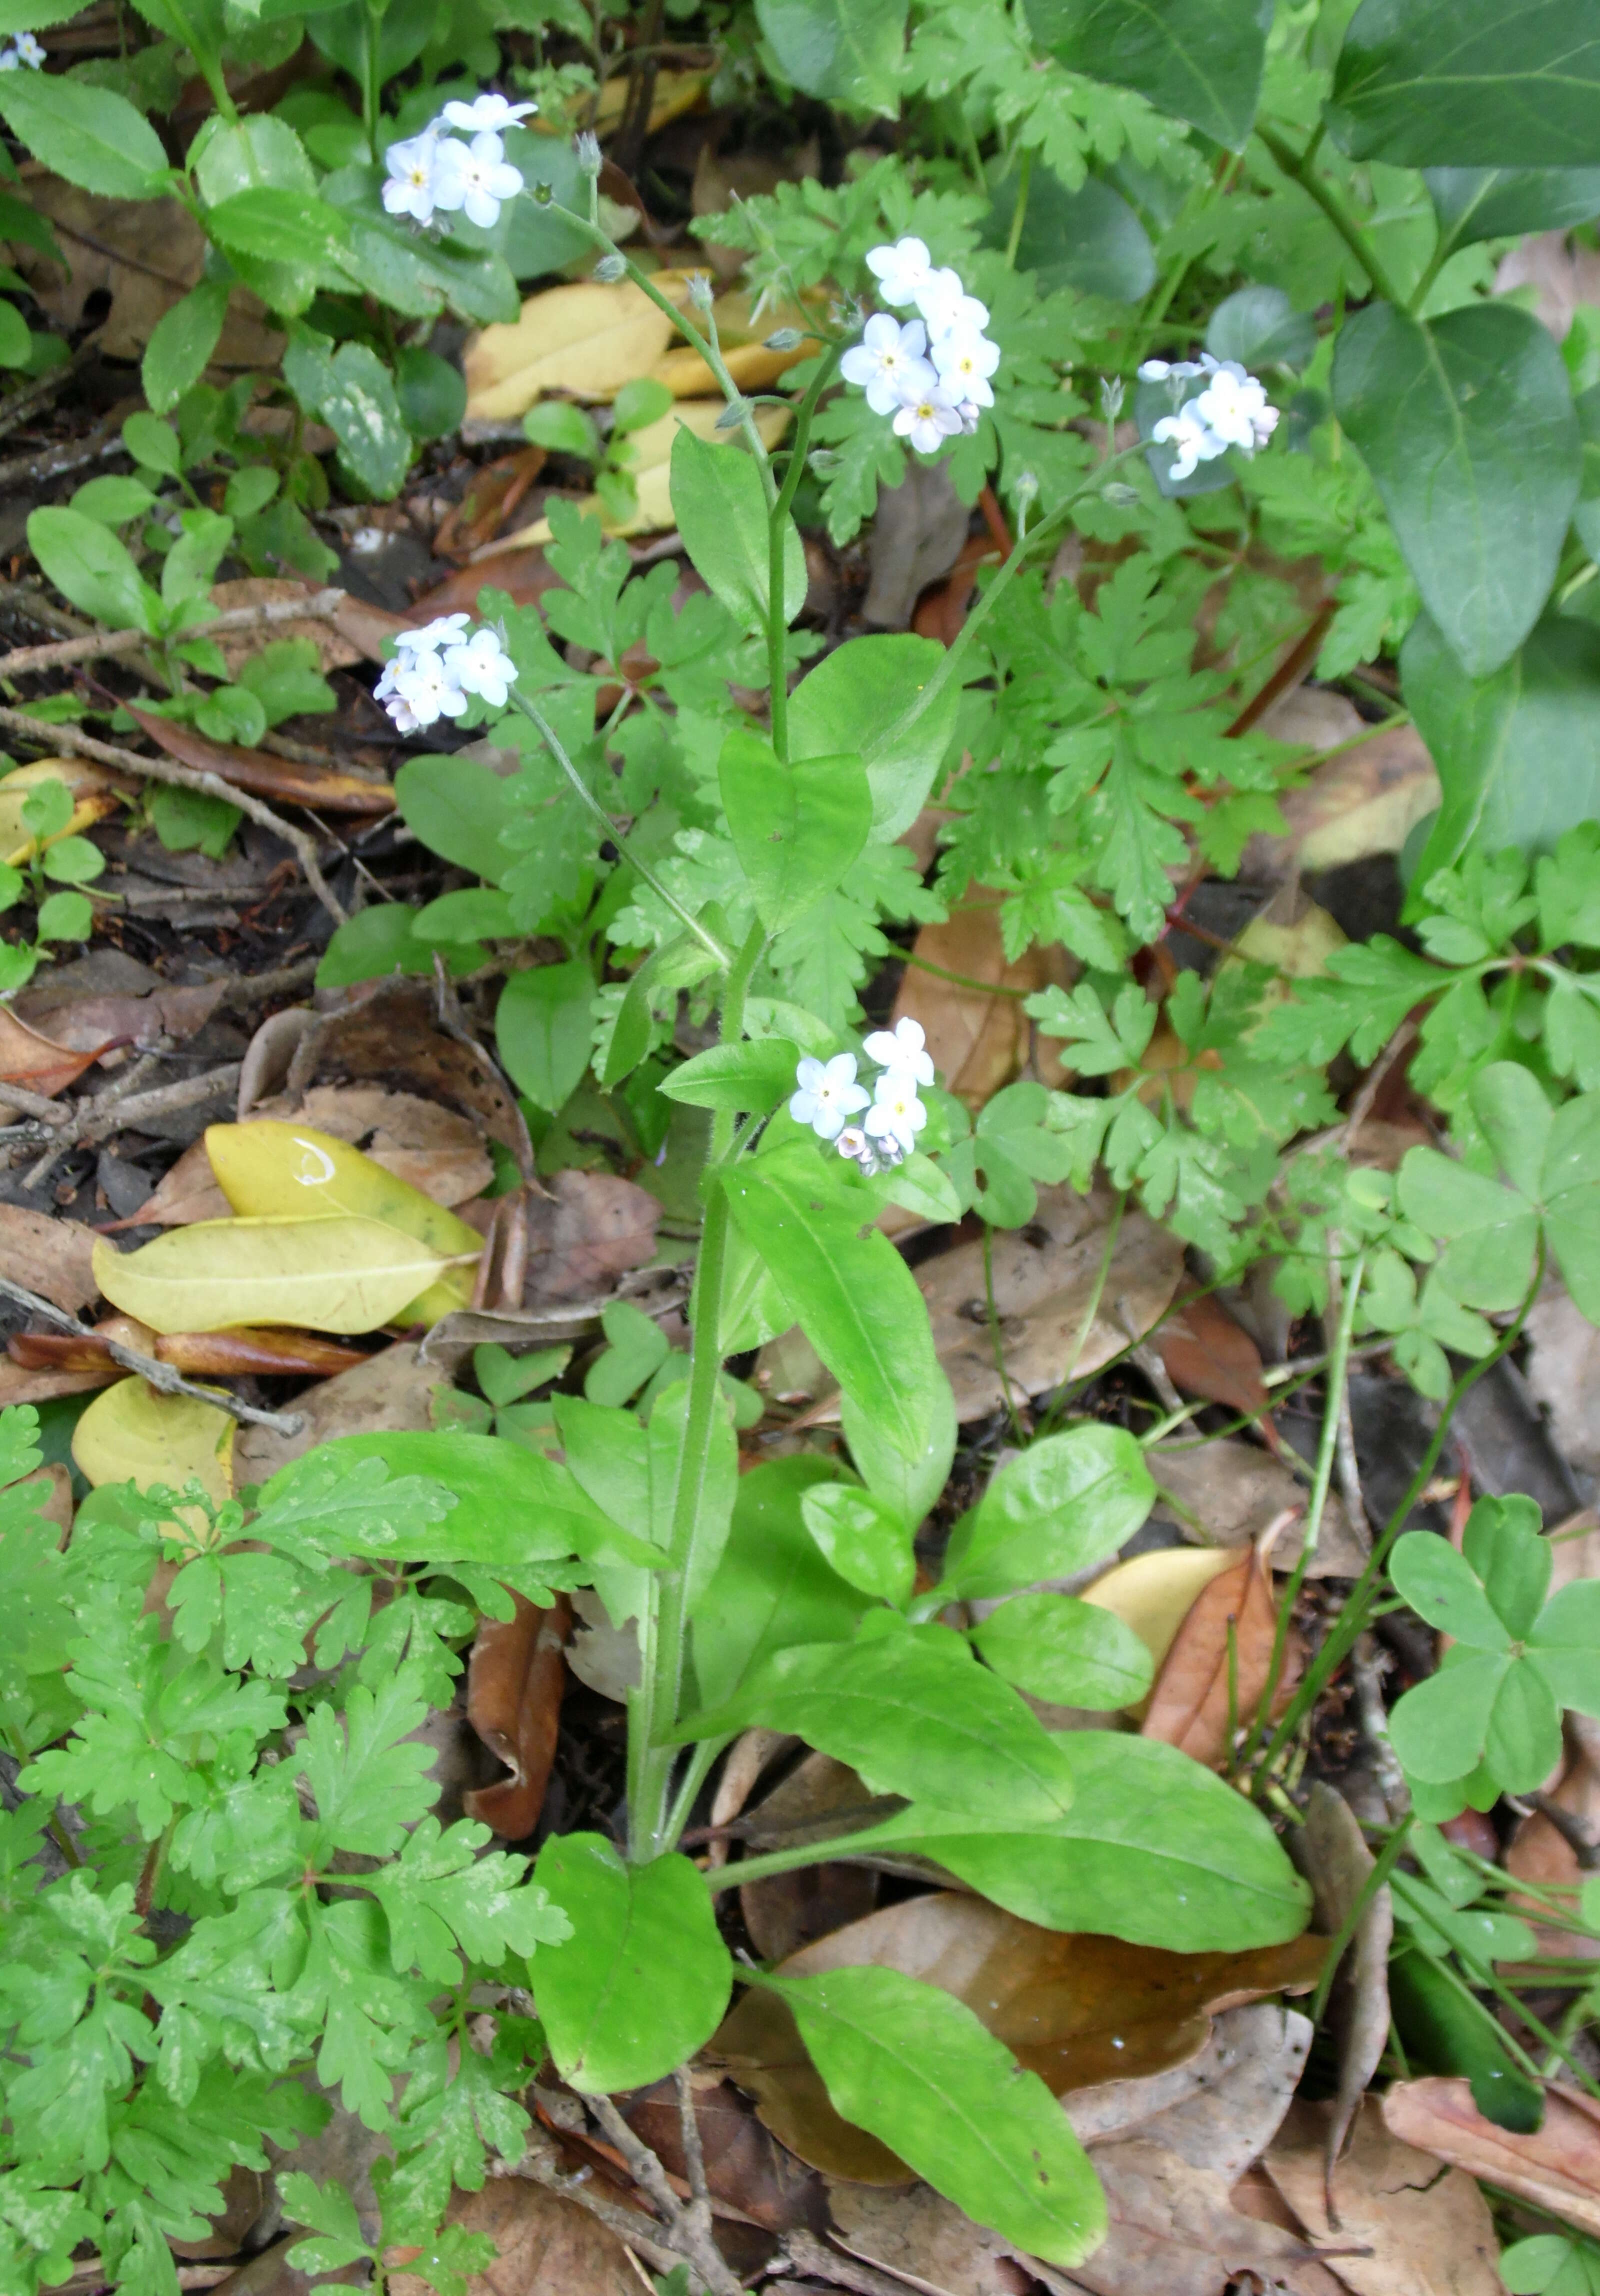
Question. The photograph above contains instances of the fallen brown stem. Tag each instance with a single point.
(156, 1374)
(165, 769)
(688, 2226)
(98, 645)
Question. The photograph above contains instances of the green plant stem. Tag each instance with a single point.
(1353, 1616)
(553, 742)
(777, 535)
(1046, 530)
(696, 1771)
(372, 85)
(1019, 213)
(655, 1706)
(964, 980)
(1339, 1356)
(1298, 166)
(1383, 1865)
(807, 1853)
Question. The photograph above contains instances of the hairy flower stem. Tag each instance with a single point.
(777, 534)
(655, 1817)
(609, 828)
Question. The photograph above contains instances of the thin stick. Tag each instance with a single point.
(688, 2230)
(167, 770)
(1360, 1108)
(98, 645)
(156, 1374)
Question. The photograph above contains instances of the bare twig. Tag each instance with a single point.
(157, 1375)
(1367, 1662)
(167, 770)
(541, 2168)
(42, 389)
(121, 1107)
(807, 2253)
(1346, 1464)
(105, 439)
(694, 2153)
(321, 606)
(688, 2226)
(33, 1104)
(1361, 1107)
(1580, 1837)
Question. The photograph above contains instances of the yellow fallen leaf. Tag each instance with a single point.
(587, 340)
(132, 1434)
(94, 795)
(674, 94)
(291, 1171)
(1153, 1593)
(335, 1275)
(651, 473)
(742, 340)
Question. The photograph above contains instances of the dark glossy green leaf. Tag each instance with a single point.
(1198, 60)
(866, 699)
(644, 1979)
(912, 1711)
(92, 137)
(1070, 1652)
(1474, 203)
(1260, 327)
(914, 2065)
(720, 506)
(772, 1588)
(1154, 1849)
(431, 390)
(1466, 424)
(543, 1030)
(1492, 740)
(1069, 1501)
(1470, 84)
(754, 1075)
(854, 1295)
(847, 51)
(796, 828)
(1089, 239)
(1446, 2029)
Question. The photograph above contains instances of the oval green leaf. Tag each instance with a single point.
(644, 1979)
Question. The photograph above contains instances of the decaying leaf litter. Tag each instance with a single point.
(251, 1205)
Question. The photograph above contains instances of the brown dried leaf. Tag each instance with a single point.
(1082, 2012)
(548, 2246)
(791, 1910)
(746, 2170)
(1208, 1355)
(1563, 1372)
(93, 1024)
(493, 494)
(1332, 1852)
(18, 1384)
(515, 1677)
(925, 2241)
(590, 1229)
(979, 1039)
(1045, 1277)
(1232, 1491)
(40, 1063)
(1557, 2167)
(50, 1257)
(1175, 2231)
(264, 774)
(1363, 800)
(584, 341)
(393, 1388)
(144, 255)
(1562, 273)
(1215, 1675)
(1424, 2235)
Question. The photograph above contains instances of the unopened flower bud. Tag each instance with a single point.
(589, 158)
(787, 339)
(732, 416)
(1120, 494)
(702, 293)
(1111, 396)
(1024, 492)
(611, 268)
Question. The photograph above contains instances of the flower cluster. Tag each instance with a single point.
(931, 373)
(436, 172)
(1231, 411)
(827, 1096)
(20, 49)
(436, 669)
